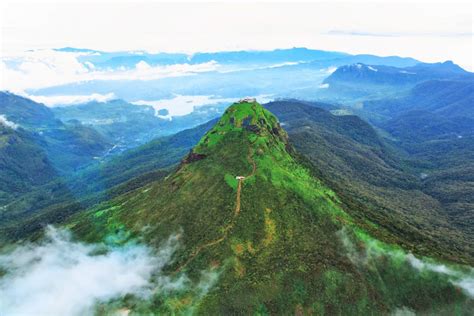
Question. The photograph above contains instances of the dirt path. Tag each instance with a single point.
(231, 224)
(239, 185)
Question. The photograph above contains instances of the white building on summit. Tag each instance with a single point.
(240, 177)
(248, 100)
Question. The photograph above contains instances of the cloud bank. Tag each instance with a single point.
(61, 276)
(463, 280)
(463, 277)
(38, 69)
(58, 100)
(186, 104)
(182, 104)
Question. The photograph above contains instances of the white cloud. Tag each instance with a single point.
(289, 63)
(185, 104)
(142, 65)
(464, 280)
(5, 122)
(58, 100)
(323, 86)
(89, 65)
(329, 70)
(40, 68)
(182, 104)
(461, 276)
(467, 284)
(238, 67)
(63, 277)
(46, 67)
(144, 71)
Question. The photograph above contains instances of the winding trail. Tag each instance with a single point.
(231, 224)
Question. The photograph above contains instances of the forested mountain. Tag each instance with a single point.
(275, 234)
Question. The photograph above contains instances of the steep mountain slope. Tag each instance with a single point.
(23, 164)
(36, 152)
(434, 125)
(68, 146)
(30, 187)
(276, 238)
(27, 113)
(383, 181)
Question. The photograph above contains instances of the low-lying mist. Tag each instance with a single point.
(460, 276)
(462, 279)
(61, 276)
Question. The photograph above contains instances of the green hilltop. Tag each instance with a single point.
(246, 207)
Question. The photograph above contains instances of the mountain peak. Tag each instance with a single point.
(245, 118)
(250, 211)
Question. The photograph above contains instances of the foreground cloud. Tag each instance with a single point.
(461, 276)
(63, 277)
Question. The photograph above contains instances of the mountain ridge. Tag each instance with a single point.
(278, 236)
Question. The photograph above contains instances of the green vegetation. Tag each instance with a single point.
(379, 182)
(50, 169)
(291, 249)
(127, 125)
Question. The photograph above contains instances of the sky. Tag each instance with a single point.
(425, 30)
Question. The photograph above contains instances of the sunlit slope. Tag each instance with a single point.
(245, 206)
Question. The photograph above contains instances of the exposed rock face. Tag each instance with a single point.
(192, 157)
(252, 128)
(276, 131)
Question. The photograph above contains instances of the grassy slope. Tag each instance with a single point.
(283, 253)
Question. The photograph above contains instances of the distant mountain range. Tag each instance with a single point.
(101, 59)
(449, 98)
(355, 82)
(295, 72)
